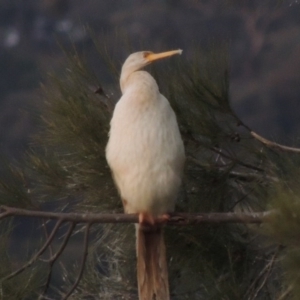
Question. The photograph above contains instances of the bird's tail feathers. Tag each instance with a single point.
(152, 270)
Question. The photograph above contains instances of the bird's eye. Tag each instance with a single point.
(146, 53)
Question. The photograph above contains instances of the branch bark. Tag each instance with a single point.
(274, 145)
(264, 141)
(88, 219)
(84, 256)
(38, 254)
(175, 218)
(54, 257)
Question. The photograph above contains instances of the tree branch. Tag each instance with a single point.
(55, 256)
(84, 256)
(242, 176)
(39, 253)
(263, 140)
(248, 177)
(41, 296)
(267, 269)
(175, 218)
(274, 145)
(237, 160)
(90, 218)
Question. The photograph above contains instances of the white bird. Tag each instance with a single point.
(146, 155)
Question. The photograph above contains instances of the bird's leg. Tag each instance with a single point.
(164, 218)
(146, 219)
(149, 223)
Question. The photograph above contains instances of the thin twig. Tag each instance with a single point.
(251, 176)
(64, 243)
(248, 177)
(54, 257)
(274, 145)
(47, 236)
(237, 160)
(263, 140)
(267, 269)
(84, 256)
(286, 293)
(242, 198)
(175, 218)
(216, 150)
(4, 215)
(42, 295)
(38, 254)
(270, 266)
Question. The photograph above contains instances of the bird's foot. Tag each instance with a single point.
(146, 219)
(163, 219)
(148, 222)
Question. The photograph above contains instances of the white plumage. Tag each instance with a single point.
(146, 155)
(145, 151)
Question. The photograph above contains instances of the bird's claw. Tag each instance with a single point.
(148, 220)
(163, 219)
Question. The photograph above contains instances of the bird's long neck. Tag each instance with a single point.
(138, 79)
(126, 72)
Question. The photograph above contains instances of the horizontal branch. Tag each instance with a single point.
(175, 218)
(90, 218)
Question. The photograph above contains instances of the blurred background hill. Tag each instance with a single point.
(263, 38)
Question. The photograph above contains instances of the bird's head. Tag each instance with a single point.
(139, 60)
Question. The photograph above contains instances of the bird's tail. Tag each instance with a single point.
(152, 270)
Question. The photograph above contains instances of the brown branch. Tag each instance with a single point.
(286, 293)
(63, 244)
(54, 257)
(84, 256)
(248, 177)
(267, 269)
(175, 218)
(47, 236)
(38, 254)
(263, 140)
(242, 198)
(42, 295)
(90, 218)
(4, 214)
(236, 160)
(274, 145)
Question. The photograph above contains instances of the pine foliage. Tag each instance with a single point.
(26, 285)
(226, 171)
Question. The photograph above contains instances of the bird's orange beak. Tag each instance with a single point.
(155, 56)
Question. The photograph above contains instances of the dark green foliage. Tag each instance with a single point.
(284, 229)
(110, 274)
(14, 187)
(200, 257)
(73, 138)
(26, 284)
(226, 171)
(285, 225)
